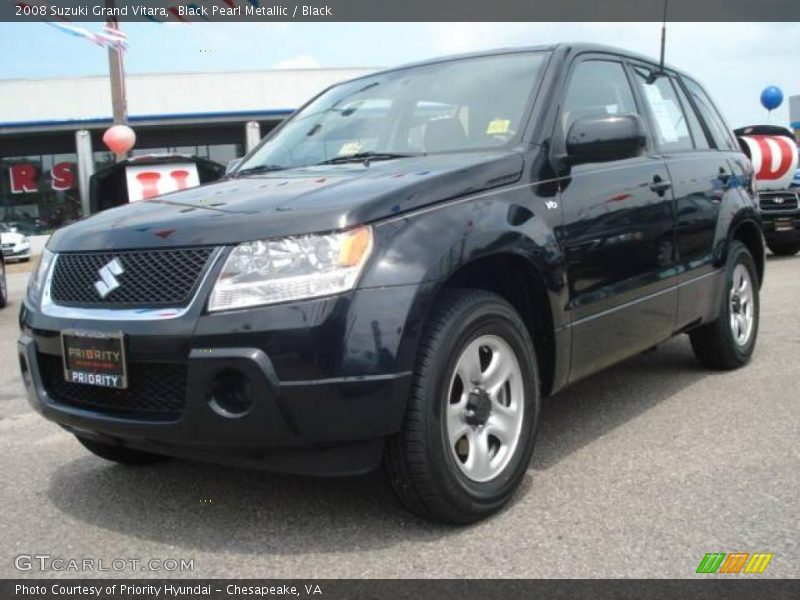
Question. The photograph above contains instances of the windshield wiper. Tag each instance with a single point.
(366, 157)
(258, 169)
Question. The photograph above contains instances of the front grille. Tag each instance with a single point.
(155, 390)
(150, 278)
(778, 200)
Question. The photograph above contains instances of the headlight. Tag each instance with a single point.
(292, 268)
(38, 275)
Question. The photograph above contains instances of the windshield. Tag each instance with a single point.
(465, 104)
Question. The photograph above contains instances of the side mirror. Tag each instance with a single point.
(232, 164)
(602, 139)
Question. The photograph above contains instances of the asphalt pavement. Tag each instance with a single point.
(639, 472)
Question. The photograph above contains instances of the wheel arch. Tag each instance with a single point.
(521, 284)
(749, 233)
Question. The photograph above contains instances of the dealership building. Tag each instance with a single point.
(51, 129)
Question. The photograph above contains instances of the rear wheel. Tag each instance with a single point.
(471, 418)
(728, 342)
(120, 454)
(784, 248)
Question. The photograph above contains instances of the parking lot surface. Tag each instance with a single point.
(638, 472)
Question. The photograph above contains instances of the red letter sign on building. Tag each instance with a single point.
(62, 176)
(23, 178)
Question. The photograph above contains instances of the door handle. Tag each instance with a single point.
(659, 186)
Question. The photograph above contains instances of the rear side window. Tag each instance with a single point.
(722, 137)
(669, 122)
(698, 133)
(598, 88)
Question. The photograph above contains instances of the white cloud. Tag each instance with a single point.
(302, 61)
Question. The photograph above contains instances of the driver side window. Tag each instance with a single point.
(597, 88)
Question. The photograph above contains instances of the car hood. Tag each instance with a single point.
(290, 202)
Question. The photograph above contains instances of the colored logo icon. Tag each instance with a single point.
(734, 562)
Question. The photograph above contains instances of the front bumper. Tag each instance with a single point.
(328, 378)
(18, 252)
(783, 226)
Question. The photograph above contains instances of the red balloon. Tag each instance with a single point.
(119, 138)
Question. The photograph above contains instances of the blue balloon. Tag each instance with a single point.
(771, 97)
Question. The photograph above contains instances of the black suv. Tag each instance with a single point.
(401, 271)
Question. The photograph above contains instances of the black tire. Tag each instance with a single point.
(714, 344)
(120, 454)
(784, 248)
(3, 284)
(419, 461)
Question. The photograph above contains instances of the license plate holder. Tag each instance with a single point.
(95, 358)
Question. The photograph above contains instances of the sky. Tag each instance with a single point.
(734, 60)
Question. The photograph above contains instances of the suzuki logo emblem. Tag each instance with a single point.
(108, 281)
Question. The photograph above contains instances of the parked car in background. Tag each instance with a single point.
(401, 271)
(774, 154)
(16, 246)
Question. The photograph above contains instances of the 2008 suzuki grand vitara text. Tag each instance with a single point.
(400, 273)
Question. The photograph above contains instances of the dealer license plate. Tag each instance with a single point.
(784, 225)
(94, 358)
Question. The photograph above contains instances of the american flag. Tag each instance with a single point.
(111, 36)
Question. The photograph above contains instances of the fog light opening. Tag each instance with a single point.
(230, 395)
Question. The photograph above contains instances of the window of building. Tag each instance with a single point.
(39, 193)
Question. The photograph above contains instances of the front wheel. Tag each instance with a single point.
(728, 342)
(471, 419)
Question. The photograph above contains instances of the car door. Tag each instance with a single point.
(703, 182)
(699, 175)
(618, 235)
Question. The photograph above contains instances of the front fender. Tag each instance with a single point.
(425, 249)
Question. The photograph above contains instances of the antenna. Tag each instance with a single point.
(663, 37)
(655, 74)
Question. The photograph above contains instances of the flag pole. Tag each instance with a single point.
(116, 69)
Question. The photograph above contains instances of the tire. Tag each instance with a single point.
(719, 345)
(784, 248)
(3, 284)
(120, 454)
(444, 481)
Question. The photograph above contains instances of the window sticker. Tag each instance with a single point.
(498, 126)
(350, 148)
(666, 114)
